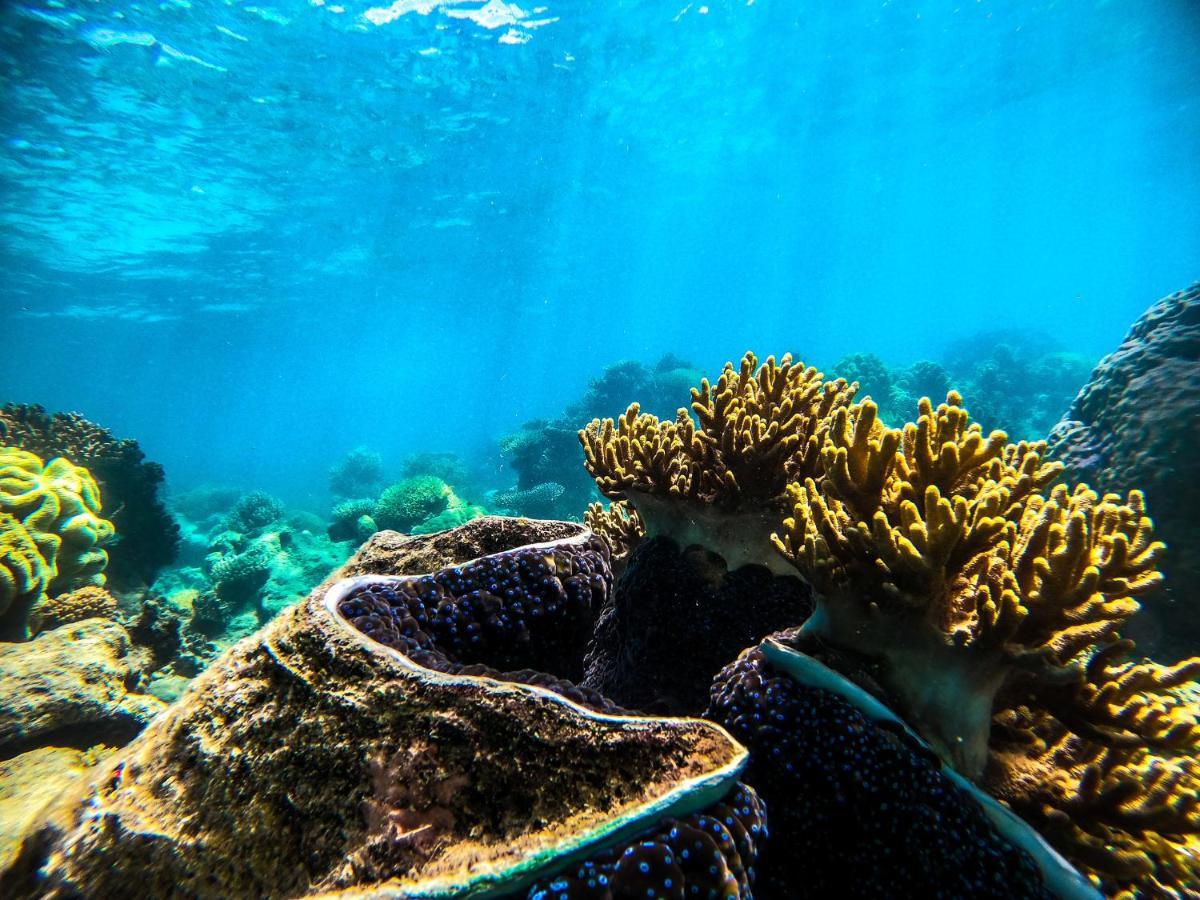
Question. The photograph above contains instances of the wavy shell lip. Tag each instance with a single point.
(687, 797)
(1059, 876)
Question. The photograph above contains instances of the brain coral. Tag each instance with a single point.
(57, 506)
(24, 574)
(130, 484)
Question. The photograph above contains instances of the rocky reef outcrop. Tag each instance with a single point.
(1136, 423)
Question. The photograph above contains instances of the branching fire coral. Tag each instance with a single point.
(994, 612)
(719, 479)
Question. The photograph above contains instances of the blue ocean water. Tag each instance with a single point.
(253, 237)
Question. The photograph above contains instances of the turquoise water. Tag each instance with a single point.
(253, 237)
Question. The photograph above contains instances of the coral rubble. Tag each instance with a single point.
(130, 484)
(314, 759)
(1136, 423)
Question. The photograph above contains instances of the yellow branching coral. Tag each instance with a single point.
(994, 614)
(53, 510)
(618, 523)
(718, 479)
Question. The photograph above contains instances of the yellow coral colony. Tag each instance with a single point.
(50, 533)
(993, 612)
(618, 523)
(721, 483)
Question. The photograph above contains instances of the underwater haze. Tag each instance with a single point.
(254, 236)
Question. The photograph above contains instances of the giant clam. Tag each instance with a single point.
(312, 759)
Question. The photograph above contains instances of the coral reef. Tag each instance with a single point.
(431, 782)
(985, 606)
(450, 467)
(676, 617)
(876, 381)
(719, 481)
(1019, 380)
(53, 509)
(412, 501)
(545, 456)
(247, 558)
(352, 520)
(544, 453)
(360, 474)
(66, 609)
(254, 512)
(1136, 423)
(149, 536)
(1016, 380)
(68, 687)
(538, 502)
(239, 574)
